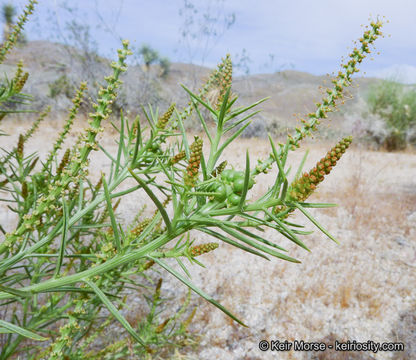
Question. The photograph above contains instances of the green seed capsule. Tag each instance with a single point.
(155, 147)
(210, 187)
(228, 175)
(221, 193)
(238, 185)
(39, 180)
(239, 174)
(229, 189)
(234, 199)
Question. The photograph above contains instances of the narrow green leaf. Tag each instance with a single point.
(289, 223)
(281, 175)
(14, 291)
(241, 121)
(198, 263)
(109, 305)
(312, 219)
(124, 192)
(255, 219)
(231, 139)
(153, 115)
(197, 98)
(257, 245)
(62, 246)
(285, 151)
(197, 290)
(149, 120)
(232, 242)
(284, 190)
(292, 237)
(201, 193)
(317, 205)
(112, 217)
(154, 199)
(223, 108)
(138, 141)
(258, 238)
(166, 171)
(183, 132)
(244, 109)
(107, 154)
(246, 180)
(74, 289)
(302, 232)
(115, 127)
(201, 118)
(204, 168)
(230, 104)
(302, 163)
(176, 184)
(120, 144)
(19, 330)
(182, 265)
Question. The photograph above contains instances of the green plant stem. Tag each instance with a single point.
(111, 264)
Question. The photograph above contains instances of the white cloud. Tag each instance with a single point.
(405, 74)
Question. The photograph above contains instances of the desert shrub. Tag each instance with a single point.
(164, 63)
(62, 85)
(148, 54)
(68, 266)
(257, 129)
(151, 56)
(395, 104)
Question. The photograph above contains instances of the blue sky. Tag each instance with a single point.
(306, 35)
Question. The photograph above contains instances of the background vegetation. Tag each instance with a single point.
(68, 228)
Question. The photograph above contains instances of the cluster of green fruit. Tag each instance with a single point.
(155, 147)
(229, 187)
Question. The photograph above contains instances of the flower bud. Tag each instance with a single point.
(202, 249)
(191, 172)
(164, 119)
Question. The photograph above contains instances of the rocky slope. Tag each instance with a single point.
(57, 69)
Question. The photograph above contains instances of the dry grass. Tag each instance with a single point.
(356, 290)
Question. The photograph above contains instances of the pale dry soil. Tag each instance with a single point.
(362, 289)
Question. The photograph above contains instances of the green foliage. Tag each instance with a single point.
(151, 56)
(164, 63)
(69, 257)
(148, 54)
(8, 12)
(395, 103)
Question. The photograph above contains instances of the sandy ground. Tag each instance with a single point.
(362, 289)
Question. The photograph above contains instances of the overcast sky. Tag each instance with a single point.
(305, 35)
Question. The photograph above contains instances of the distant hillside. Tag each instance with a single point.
(55, 70)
